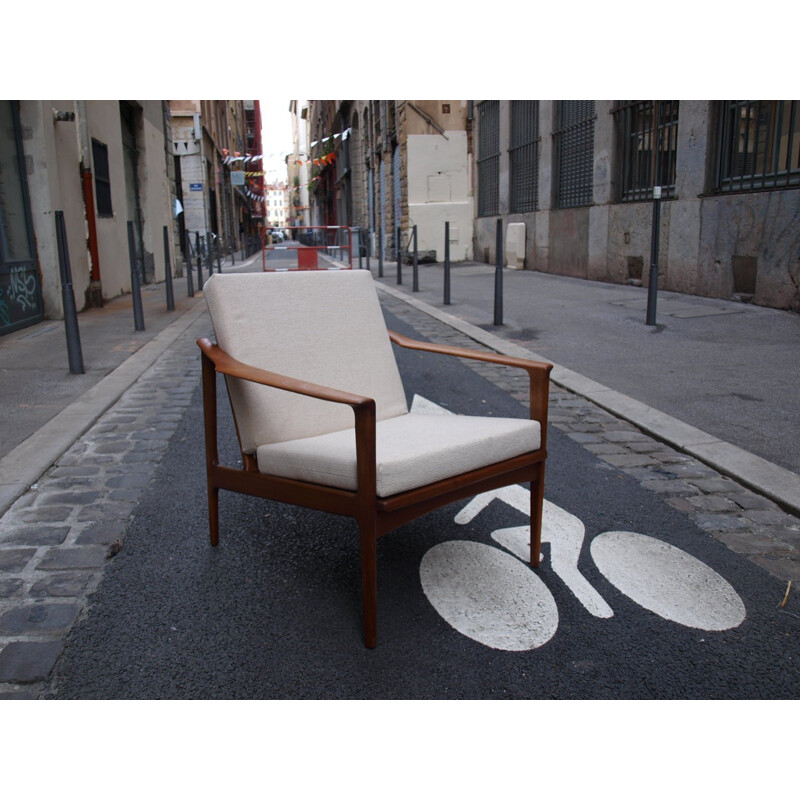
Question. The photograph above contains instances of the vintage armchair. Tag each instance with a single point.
(322, 418)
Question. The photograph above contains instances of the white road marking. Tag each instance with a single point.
(502, 603)
(667, 581)
(488, 595)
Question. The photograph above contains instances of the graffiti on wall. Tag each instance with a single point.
(20, 300)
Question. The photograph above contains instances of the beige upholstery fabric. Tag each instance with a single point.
(325, 327)
(412, 450)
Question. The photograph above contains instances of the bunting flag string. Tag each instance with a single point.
(238, 157)
(319, 162)
(343, 134)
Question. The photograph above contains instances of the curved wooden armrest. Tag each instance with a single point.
(539, 368)
(363, 408)
(538, 371)
(228, 365)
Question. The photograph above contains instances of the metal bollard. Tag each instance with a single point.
(498, 276)
(168, 273)
(189, 281)
(199, 260)
(380, 252)
(415, 286)
(219, 259)
(74, 352)
(447, 263)
(652, 287)
(399, 256)
(138, 315)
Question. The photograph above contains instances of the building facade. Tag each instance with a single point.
(385, 166)
(181, 166)
(572, 182)
(277, 202)
(102, 164)
(577, 178)
(218, 163)
(297, 167)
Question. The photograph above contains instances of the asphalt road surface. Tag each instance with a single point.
(658, 609)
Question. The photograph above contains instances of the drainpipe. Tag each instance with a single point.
(94, 295)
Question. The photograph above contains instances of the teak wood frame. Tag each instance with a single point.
(374, 515)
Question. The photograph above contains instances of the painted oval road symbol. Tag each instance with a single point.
(667, 581)
(489, 595)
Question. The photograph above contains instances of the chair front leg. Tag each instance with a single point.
(537, 513)
(212, 456)
(366, 515)
(369, 579)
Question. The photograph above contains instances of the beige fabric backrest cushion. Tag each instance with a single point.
(326, 327)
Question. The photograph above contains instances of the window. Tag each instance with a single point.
(758, 145)
(524, 155)
(102, 179)
(573, 151)
(647, 134)
(489, 158)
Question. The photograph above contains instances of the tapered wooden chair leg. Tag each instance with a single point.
(213, 515)
(537, 512)
(369, 583)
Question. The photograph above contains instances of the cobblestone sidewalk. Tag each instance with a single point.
(55, 540)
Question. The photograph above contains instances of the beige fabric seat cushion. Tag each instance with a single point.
(323, 327)
(412, 450)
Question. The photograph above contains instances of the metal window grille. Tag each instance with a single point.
(573, 142)
(489, 158)
(102, 179)
(758, 145)
(524, 155)
(647, 135)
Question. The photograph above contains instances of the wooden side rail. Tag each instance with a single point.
(538, 371)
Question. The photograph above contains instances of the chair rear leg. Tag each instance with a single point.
(369, 581)
(213, 514)
(537, 507)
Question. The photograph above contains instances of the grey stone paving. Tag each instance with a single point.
(56, 539)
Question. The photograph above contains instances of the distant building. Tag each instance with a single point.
(297, 165)
(277, 204)
(219, 185)
(380, 165)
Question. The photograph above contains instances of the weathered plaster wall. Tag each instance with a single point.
(438, 192)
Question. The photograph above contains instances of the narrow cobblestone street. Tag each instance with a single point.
(56, 540)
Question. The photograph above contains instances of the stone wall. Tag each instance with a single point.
(743, 245)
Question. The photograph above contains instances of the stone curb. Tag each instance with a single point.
(27, 462)
(764, 477)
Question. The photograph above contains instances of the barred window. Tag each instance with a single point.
(524, 155)
(758, 145)
(489, 158)
(647, 135)
(573, 141)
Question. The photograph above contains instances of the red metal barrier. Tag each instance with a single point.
(309, 240)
